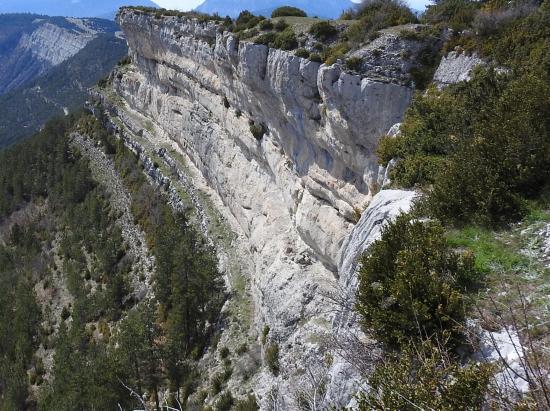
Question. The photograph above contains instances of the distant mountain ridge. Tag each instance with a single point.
(70, 8)
(61, 90)
(320, 8)
(30, 44)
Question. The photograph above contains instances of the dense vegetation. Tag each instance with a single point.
(63, 88)
(480, 152)
(288, 11)
(482, 147)
(60, 236)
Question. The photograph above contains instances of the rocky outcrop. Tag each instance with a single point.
(288, 146)
(456, 67)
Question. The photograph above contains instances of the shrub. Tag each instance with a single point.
(272, 358)
(265, 333)
(412, 284)
(354, 63)
(225, 402)
(288, 11)
(266, 25)
(303, 53)
(286, 40)
(225, 102)
(266, 39)
(242, 349)
(247, 404)
(224, 353)
(323, 31)
(428, 377)
(257, 130)
(245, 21)
(374, 15)
(316, 57)
(281, 25)
(335, 53)
(456, 14)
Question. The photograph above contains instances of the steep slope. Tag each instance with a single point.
(30, 45)
(82, 8)
(62, 89)
(321, 8)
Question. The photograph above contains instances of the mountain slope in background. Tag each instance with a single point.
(30, 45)
(321, 8)
(62, 89)
(73, 8)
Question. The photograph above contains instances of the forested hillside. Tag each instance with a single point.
(79, 335)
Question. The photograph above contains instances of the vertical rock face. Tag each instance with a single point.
(295, 190)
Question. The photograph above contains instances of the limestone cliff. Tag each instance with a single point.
(293, 191)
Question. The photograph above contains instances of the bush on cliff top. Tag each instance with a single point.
(411, 284)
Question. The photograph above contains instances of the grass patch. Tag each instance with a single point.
(491, 253)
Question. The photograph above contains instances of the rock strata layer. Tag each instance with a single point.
(287, 144)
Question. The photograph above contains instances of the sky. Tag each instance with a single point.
(191, 4)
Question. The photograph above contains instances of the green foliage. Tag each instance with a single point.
(316, 57)
(323, 31)
(335, 52)
(482, 163)
(247, 404)
(281, 25)
(272, 358)
(491, 254)
(426, 377)
(265, 334)
(225, 402)
(354, 63)
(374, 15)
(286, 40)
(245, 21)
(288, 11)
(303, 53)
(267, 39)
(412, 284)
(258, 130)
(456, 14)
(266, 25)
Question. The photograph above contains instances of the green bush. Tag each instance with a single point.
(225, 402)
(267, 39)
(428, 377)
(281, 25)
(258, 130)
(265, 333)
(456, 14)
(245, 21)
(412, 284)
(374, 15)
(247, 404)
(482, 145)
(316, 57)
(272, 358)
(323, 31)
(224, 352)
(303, 53)
(335, 53)
(286, 40)
(288, 11)
(266, 25)
(354, 63)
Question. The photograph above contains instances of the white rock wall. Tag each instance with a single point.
(295, 191)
